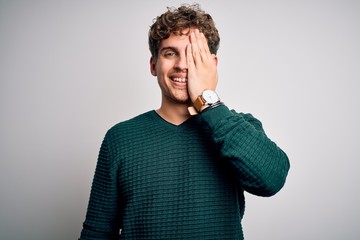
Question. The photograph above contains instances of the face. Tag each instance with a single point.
(170, 67)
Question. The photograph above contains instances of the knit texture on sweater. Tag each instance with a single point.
(155, 180)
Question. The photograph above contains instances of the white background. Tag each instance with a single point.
(70, 70)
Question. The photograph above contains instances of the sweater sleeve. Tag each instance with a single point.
(102, 218)
(260, 166)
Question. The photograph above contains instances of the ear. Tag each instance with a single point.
(215, 58)
(153, 67)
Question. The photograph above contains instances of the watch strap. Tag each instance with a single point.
(199, 103)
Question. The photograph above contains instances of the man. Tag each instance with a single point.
(179, 172)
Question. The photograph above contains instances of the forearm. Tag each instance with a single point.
(259, 164)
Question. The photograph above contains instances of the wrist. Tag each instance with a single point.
(212, 106)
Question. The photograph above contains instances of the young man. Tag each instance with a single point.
(180, 172)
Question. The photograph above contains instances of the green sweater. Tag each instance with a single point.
(155, 180)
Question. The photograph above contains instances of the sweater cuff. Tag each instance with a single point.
(213, 116)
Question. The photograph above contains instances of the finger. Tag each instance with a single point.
(205, 53)
(189, 56)
(205, 44)
(195, 48)
(202, 46)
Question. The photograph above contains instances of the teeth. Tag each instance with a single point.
(180, 79)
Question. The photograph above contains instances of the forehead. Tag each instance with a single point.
(176, 41)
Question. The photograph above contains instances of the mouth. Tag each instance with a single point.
(179, 79)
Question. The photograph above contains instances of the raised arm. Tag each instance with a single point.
(259, 164)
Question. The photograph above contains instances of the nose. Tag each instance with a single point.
(181, 62)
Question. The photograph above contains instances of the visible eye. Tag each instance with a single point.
(170, 54)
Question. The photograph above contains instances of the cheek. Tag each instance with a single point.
(163, 67)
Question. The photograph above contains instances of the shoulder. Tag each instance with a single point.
(123, 136)
(131, 126)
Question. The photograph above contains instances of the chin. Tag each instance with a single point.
(181, 97)
(183, 100)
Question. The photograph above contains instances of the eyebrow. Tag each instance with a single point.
(168, 48)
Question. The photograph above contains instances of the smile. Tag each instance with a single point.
(181, 80)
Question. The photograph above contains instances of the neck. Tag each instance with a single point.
(175, 113)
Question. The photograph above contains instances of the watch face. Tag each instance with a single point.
(210, 96)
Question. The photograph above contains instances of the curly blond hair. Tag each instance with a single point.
(176, 20)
